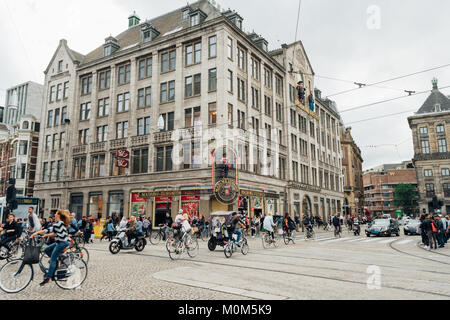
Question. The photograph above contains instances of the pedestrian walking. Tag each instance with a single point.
(423, 231)
(440, 231)
(431, 233)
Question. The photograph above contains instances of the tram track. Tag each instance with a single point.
(417, 256)
(202, 261)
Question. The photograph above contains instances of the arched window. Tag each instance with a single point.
(25, 125)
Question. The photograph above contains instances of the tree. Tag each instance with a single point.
(406, 196)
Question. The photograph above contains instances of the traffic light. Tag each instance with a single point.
(11, 195)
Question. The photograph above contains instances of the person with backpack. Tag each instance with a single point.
(431, 232)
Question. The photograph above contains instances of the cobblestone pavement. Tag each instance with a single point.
(326, 268)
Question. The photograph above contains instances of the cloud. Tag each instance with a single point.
(411, 37)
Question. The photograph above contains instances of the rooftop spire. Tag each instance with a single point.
(435, 83)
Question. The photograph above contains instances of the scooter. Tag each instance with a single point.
(356, 230)
(120, 242)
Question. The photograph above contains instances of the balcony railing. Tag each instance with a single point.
(162, 137)
(118, 143)
(139, 140)
(98, 146)
(80, 149)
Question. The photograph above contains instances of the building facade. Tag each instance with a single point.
(143, 121)
(431, 156)
(23, 99)
(353, 176)
(18, 151)
(380, 183)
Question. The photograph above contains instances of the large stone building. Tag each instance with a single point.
(431, 155)
(23, 99)
(353, 176)
(380, 183)
(139, 125)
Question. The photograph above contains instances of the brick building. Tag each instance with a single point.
(380, 183)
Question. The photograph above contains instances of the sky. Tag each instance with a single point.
(363, 41)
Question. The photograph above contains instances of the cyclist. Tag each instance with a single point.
(356, 223)
(168, 222)
(288, 224)
(307, 223)
(236, 220)
(179, 219)
(269, 224)
(62, 241)
(33, 221)
(336, 223)
(11, 231)
(73, 227)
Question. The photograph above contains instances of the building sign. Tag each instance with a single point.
(124, 154)
(120, 163)
(272, 196)
(251, 193)
(226, 191)
(135, 197)
(154, 194)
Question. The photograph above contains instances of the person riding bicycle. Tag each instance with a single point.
(168, 222)
(308, 223)
(288, 223)
(233, 229)
(131, 229)
(269, 224)
(11, 230)
(179, 219)
(33, 224)
(62, 241)
(73, 227)
(336, 223)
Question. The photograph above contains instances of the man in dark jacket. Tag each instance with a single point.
(440, 231)
(11, 231)
(423, 231)
(427, 225)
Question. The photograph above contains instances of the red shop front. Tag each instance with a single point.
(191, 205)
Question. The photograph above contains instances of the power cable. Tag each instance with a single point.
(388, 80)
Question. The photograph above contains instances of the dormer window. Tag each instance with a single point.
(239, 23)
(197, 17)
(149, 33)
(195, 20)
(110, 46)
(437, 108)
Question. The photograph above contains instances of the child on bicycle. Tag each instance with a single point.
(62, 241)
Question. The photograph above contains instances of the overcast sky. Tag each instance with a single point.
(363, 41)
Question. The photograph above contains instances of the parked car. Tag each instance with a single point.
(383, 227)
(412, 227)
(404, 220)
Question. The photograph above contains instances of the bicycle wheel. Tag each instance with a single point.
(44, 262)
(72, 273)
(155, 237)
(276, 241)
(84, 254)
(16, 252)
(175, 254)
(192, 247)
(15, 276)
(286, 238)
(292, 236)
(245, 248)
(266, 241)
(228, 250)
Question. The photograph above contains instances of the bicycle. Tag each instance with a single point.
(267, 240)
(187, 243)
(155, 236)
(310, 234)
(231, 246)
(16, 250)
(70, 273)
(288, 236)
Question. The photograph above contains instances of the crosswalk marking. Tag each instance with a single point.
(362, 240)
(325, 239)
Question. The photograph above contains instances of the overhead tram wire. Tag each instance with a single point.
(388, 80)
(388, 100)
(381, 117)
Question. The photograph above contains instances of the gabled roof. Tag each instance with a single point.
(75, 56)
(435, 98)
(166, 24)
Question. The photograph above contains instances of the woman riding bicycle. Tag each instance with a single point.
(62, 241)
(288, 223)
(269, 224)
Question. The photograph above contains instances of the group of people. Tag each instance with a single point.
(435, 231)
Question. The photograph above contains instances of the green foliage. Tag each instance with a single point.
(406, 196)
